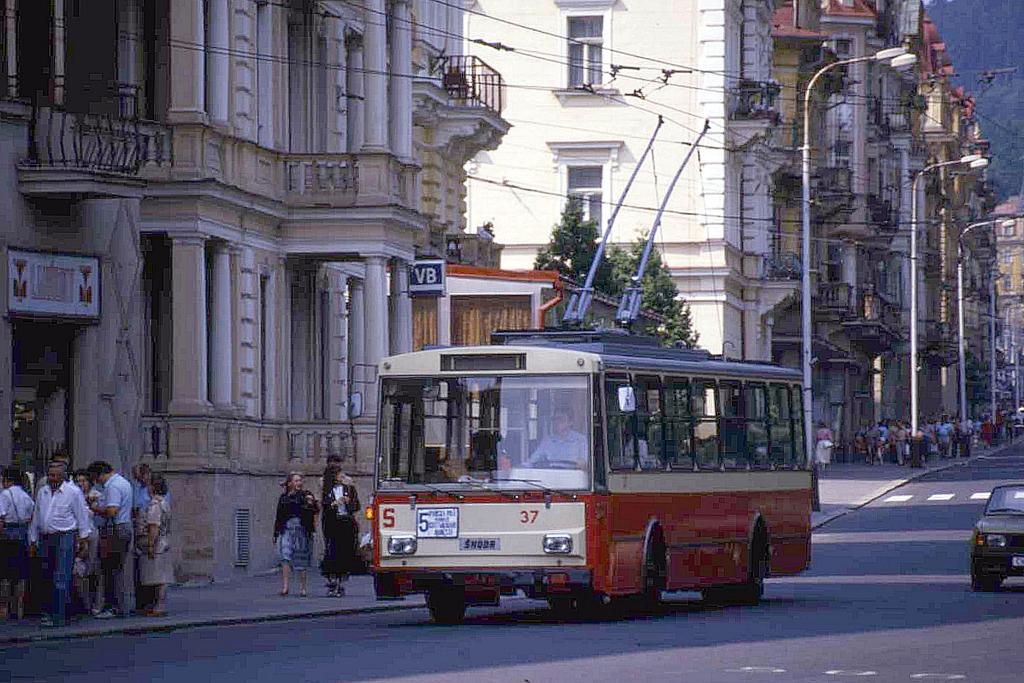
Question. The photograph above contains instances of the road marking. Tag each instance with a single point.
(845, 672)
(897, 499)
(941, 496)
(757, 670)
(981, 496)
(940, 677)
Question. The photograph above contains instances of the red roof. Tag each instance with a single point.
(1010, 207)
(857, 8)
(458, 269)
(782, 25)
(936, 60)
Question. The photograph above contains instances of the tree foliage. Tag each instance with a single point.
(572, 249)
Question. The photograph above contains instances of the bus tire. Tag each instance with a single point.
(751, 591)
(447, 605)
(655, 570)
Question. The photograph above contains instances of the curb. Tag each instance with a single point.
(897, 483)
(141, 629)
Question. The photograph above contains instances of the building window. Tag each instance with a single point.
(844, 46)
(1008, 228)
(584, 186)
(585, 45)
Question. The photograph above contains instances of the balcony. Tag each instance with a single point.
(755, 100)
(882, 212)
(321, 180)
(833, 193)
(470, 82)
(833, 298)
(781, 266)
(876, 324)
(898, 122)
(98, 154)
(315, 441)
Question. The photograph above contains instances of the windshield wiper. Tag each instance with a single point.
(433, 489)
(1016, 511)
(537, 484)
(483, 485)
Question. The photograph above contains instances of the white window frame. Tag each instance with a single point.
(603, 153)
(585, 8)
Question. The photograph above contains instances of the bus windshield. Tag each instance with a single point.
(505, 432)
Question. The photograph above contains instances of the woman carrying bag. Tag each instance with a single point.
(293, 530)
(341, 531)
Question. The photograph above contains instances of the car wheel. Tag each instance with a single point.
(986, 583)
(447, 605)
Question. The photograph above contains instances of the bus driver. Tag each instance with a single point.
(563, 444)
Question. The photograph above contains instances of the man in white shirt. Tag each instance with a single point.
(562, 445)
(115, 537)
(60, 518)
(16, 508)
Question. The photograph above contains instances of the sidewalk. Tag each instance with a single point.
(844, 488)
(243, 601)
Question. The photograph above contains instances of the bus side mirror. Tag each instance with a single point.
(627, 399)
(355, 406)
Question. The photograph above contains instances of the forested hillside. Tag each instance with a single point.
(983, 35)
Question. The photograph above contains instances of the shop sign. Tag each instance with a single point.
(426, 278)
(52, 285)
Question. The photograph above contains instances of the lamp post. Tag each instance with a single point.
(961, 341)
(974, 161)
(900, 58)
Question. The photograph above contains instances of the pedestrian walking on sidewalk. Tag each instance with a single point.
(966, 436)
(341, 531)
(87, 568)
(16, 509)
(900, 434)
(155, 568)
(824, 443)
(293, 531)
(115, 549)
(60, 526)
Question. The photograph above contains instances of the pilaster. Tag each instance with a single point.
(188, 41)
(376, 79)
(188, 313)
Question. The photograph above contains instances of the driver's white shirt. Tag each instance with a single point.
(568, 447)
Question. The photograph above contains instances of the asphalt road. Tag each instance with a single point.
(887, 599)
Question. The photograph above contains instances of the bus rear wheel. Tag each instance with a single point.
(447, 605)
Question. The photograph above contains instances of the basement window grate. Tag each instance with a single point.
(243, 534)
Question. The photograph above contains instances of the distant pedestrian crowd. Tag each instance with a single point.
(74, 546)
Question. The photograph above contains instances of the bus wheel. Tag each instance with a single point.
(750, 592)
(655, 573)
(447, 605)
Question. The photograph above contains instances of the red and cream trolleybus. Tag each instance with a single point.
(583, 466)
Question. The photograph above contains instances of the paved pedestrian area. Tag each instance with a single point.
(246, 600)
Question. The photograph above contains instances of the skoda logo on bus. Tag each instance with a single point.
(426, 278)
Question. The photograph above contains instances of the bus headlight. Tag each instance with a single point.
(558, 544)
(401, 545)
(995, 540)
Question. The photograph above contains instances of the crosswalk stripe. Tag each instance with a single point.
(898, 499)
(981, 496)
(941, 496)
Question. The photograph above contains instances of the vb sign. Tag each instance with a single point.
(426, 278)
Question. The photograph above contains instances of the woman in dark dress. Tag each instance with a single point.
(341, 531)
(293, 530)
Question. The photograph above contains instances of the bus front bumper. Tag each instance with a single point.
(486, 584)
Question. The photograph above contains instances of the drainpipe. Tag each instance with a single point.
(548, 305)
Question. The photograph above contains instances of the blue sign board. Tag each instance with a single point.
(426, 278)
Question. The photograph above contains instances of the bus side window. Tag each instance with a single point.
(646, 438)
(704, 409)
(619, 426)
(799, 457)
(678, 428)
(781, 436)
(757, 426)
(733, 425)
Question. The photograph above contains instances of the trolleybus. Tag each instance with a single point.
(584, 466)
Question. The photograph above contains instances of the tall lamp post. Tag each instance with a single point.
(973, 161)
(961, 341)
(898, 58)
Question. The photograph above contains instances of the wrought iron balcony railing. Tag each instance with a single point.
(471, 82)
(755, 100)
(781, 266)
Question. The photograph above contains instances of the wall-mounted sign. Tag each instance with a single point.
(426, 278)
(50, 285)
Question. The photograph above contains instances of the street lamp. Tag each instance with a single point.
(898, 58)
(973, 161)
(961, 342)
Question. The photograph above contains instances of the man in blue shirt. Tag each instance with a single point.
(115, 537)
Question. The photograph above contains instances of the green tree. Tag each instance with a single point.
(659, 293)
(572, 248)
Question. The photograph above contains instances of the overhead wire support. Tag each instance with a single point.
(579, 302)
(629, 305)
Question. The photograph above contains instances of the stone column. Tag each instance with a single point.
(401, 308)
(356, 78)
(11, 35)
(188, 86)
(357, 336)
(338, 103)
(302, 292)
(336, 347)
(221, 324)
(376, 325)
(59, 51)
(401, 85)
(218, 90)
(188, 315)
(375, 75)
(265, 75)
